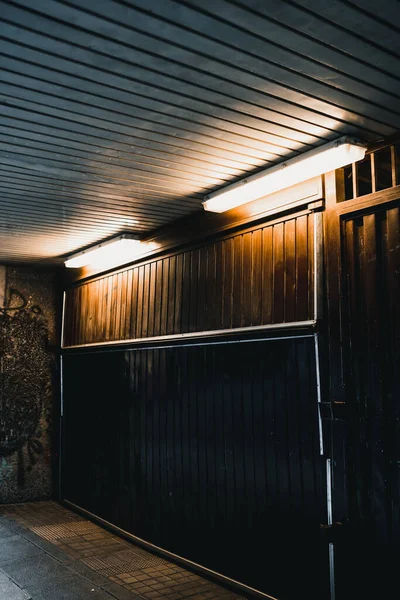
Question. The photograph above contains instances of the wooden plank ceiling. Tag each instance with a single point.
(121, 115)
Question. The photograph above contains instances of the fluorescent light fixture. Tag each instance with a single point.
(328, 157)
(116, 251)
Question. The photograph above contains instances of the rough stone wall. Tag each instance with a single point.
(28, 339)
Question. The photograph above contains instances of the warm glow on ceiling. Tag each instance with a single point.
(109, 254)
(326, 158)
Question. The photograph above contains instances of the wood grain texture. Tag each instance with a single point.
(256, 277)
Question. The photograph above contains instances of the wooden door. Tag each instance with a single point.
(368, 555)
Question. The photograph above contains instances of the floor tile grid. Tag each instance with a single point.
(148, 576)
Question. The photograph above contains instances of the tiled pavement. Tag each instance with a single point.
(49, 553)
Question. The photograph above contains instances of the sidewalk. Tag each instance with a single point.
(49, 553)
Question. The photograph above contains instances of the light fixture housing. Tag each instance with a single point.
(328, 157)
(111, 253)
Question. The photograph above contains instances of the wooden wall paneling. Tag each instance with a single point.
(66, 320)
(247, 279)
(392, 277)
(228, 283)
(219, 283)
(164, 296)
(216, 461)
(237, 281)
(267, 262)
(179, 300)
(201, 289)
(74, 307)
(290, 270)
(157, 297)
(301, 275)
(279, 273)
(152, 297)
(112, 306)
(99, 316)
(122, 325)
(105, 302)
(281, 418)
(211, 321)
(364, 436)
(335, 425)
(260, 276)
(311, 266)
(368, 258)
(91, 313)
(186, 292)
(116, 307)
(139, 304)
(145, 313)
(256, 277)
(129, 304)
(82, 312)
(194, 286)
(80, 307)
(294, 439)
(333, 290)
(171, 295)
(107, 307)
(119, 300)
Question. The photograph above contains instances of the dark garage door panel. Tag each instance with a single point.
(211, 452)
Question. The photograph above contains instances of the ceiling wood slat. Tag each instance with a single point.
(121, 115)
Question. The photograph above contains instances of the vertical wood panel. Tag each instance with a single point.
(139, 307)
(145, 302)
(279, 273)
(194, 288)
(256, 278)
(201, 289)
(171, 295)
(177, 326)
(221, 462)
(164, 296)
(302, 287)
(212, 319)
(260, 276)
(371, 343)
(247, 279)
(237, 280)
(227, 299)
(186, 292)
(290, 271)
(267, 276)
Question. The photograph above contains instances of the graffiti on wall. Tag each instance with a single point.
(25, 383)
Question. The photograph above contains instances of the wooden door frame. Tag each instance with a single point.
(334, 330)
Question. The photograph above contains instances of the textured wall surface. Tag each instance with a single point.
(28, 339)
(253, 277)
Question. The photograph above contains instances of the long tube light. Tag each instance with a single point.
(328, 157)
(114, 252)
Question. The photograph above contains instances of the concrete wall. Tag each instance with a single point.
(28, 342)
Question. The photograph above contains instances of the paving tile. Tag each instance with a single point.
(32, 570)
(10, 591)
(100, 561)
(73, 588)
(80, 568)
(12, 548)
(119, 592)
(6, 532)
